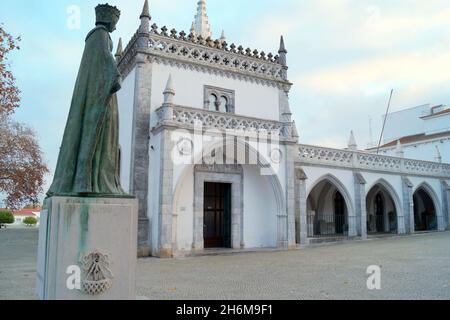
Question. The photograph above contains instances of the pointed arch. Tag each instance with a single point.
(433, 195)
(430, 192)
(391, 191)
(241, 146)
(270, 175)
(339, 186)
(388, 194)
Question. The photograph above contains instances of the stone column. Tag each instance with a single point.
(303, 206)
(290, 194)
(387, 227)
(443, 216)
(282, 242)
(166, 196)
(199, 191)
(174, 233)
(140, 149)
(446, 203)
(360, 206)
(408, 208)
(441, 221)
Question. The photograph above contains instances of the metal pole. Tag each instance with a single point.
(384, 122)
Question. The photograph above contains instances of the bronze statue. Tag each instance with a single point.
(88, 163)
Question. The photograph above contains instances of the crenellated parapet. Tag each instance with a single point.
(183, 48)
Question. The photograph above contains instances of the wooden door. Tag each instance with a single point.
(217, 215)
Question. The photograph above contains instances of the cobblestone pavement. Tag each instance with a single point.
(413, 267)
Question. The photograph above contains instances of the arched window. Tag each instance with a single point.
(223, 106)
(219, 99)
(212, 102)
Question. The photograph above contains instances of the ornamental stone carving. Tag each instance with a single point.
(186, 117)
(97, 276)
(370, 162)
(207, 53)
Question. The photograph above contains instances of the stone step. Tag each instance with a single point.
(323, 240)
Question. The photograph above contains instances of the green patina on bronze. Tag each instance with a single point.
(84, 227)
(88, 163)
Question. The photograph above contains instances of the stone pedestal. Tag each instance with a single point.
(87, 249)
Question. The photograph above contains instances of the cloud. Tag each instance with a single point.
(421, 71)
(345, 56)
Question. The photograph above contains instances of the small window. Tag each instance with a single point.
(212, 102)
(223, 106)
(218, 99)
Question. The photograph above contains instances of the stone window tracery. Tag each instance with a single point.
(218, 99)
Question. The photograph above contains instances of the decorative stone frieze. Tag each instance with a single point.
(193, 49)
(369, 162)
(186, 117)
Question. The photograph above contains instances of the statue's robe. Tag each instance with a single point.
(88, 161)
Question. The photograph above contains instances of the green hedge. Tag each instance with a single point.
(6, 217)
(30, 221)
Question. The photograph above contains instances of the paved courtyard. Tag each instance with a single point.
(413, 267)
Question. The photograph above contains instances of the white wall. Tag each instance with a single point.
(405, 123)
(437, 124)
(253, 100)
(125, 99)
(184, 207)
(425, 151)
(260, 210)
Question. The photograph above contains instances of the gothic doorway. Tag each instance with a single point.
(217, 215)
(327, 211)
(382, 213)
(425, 218)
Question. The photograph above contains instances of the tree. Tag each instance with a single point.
(22, 168)
(9, 93)
(30, 221)
(6, 217)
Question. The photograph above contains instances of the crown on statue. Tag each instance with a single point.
(106, 13)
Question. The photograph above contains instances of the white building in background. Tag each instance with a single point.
(420, 133)
(21, 215)
(209, 148)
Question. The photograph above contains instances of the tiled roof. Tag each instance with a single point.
(26, 212)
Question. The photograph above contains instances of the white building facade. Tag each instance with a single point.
(209, 148)
(421, 132)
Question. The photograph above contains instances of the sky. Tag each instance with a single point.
(344, 56)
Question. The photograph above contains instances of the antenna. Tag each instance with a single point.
(384, 122)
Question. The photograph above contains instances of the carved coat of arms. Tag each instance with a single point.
(97, 277)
